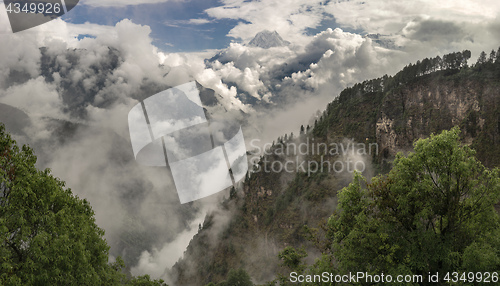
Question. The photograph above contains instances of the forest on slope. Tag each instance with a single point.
(299, 221)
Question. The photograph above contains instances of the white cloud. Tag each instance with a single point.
(36, 97)
(385, 17)
(100, 76)
(229, 100)
(391, 18)
(187, 23)
(199, 21)
(156, 262)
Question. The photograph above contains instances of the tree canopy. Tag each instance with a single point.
(235, 277)
(434, 212)
(48, 236)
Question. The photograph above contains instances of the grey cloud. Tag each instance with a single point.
(75, 104)
(434, 30)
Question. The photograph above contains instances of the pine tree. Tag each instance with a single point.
(482, 58)
(466, 54)
(492, 56)
(438, 63)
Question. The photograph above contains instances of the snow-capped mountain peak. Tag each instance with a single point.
(267, 39)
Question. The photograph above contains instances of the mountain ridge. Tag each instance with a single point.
(268, 39)
(275, 210)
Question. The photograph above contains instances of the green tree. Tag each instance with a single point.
(120, 278)
(143, 280)
(291, 258)
(437, 63)
(449, 61)
(291, 261)
(493, 56)
(482, 58)
(238, 278)
(434, 212)
(235, 278)
(466, 54)
(48, 236)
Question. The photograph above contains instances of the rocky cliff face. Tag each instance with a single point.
(395, 118)
(431, 105)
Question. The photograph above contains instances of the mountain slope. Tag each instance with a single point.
(267, 39)
(272, 209)
(425, 104)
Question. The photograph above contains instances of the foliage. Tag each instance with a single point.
(434, 212)
(120, 278)
(143, 280)
(292, 258)
(48, 236)
(235, 278)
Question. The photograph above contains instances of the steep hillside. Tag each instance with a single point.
(272, 209)
(428, 104)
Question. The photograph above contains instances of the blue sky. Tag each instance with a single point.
(169, 22)
(196, 25)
